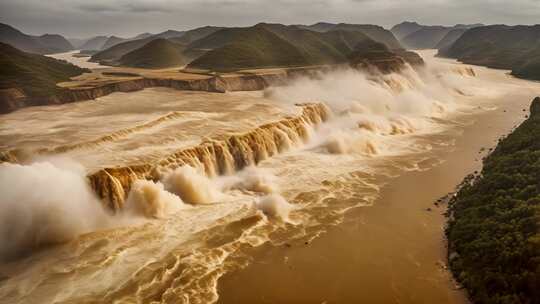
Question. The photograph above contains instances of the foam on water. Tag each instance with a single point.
(201, 226)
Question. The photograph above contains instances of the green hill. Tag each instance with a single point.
(195, 34)
(114, 53)
(274, 45)
(158, 53)
(220, 38)
(35, 75)
(277, 45)
(240, 48)
(494, 224)
(500, 46)
(317, 48)
(45, 44)
(374, 32)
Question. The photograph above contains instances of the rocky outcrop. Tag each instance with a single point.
(410, 57)
(214, 157)
(13, 99)
(376, 58)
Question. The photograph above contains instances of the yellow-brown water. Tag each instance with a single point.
(250, 227)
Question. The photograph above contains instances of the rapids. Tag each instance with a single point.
(196, 179)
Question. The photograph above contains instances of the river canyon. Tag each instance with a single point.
(316, 190)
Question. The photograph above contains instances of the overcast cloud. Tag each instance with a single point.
(84, 18)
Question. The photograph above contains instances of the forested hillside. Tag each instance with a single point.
(493, 230)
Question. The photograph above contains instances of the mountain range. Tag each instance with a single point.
(374, 32)
(277, 45)
(44, 44)
(516, 48)
(415, 36)
(315, 44)
(113, 54)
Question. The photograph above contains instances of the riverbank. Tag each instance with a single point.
(496, 213)
(393, 251)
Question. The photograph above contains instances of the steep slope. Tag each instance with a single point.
(77, 42)
(405, 28)
(112, 54)
(319, 26)
(315, 47)
(45, 44)
(374, 32)
(494, 224)
(195, 34)
(449, 39)
(95, 43)
(220, 38)
(425, 38)
(500, 46)
(277, 45)
(32, 75)
(158, 53)
(142, 36)
(112, 41)
(370, 54)
(56, 43)
(347, 41)
(169, 34)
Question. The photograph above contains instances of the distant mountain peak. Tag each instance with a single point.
(44, 44)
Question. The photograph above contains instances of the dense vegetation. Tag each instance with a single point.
(36, 75)
(500, 46)
(494, 226)
(158, 53)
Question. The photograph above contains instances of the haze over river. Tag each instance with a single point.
(336, 212)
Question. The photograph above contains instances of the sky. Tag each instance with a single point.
(86, 18)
